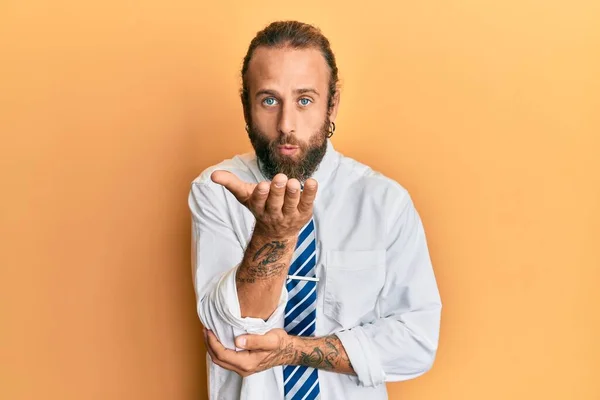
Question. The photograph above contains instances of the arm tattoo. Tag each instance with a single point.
(325, 353)
(245, 280)
(265, 263)
(279, 357)
(270, 252)
(261, 274)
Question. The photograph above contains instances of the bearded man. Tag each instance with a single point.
(311, 270)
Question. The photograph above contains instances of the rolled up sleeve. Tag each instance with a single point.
(403, 342)
(216, 255)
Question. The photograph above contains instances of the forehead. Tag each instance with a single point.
(287, 68)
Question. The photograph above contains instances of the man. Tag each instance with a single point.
(311, 270)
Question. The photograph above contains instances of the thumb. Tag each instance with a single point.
(240, 189)
(258, 342)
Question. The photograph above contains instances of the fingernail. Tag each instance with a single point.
(263, 191)
(292, 190)
(279, 184)
(241, 342)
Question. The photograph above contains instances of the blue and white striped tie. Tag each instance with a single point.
(300, 382)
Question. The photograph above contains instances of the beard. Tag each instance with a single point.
(303, 166)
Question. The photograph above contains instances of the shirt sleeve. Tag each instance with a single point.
(217, 252)
(402, 344)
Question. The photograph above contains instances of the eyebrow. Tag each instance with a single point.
(297, 91)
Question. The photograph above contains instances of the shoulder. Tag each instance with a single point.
(373, 184)
(239, 164)
(204, 191)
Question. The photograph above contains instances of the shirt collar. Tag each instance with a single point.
(328, 164)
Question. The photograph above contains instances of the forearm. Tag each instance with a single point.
(262, 273)
(325, 353)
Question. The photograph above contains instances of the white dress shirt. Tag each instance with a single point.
(377, 290)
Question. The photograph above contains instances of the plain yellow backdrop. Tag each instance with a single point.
(486, 111)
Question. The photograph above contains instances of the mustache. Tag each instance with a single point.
(272, 163)
(287, 140)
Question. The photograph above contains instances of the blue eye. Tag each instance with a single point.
(269, 101)
(305, 101)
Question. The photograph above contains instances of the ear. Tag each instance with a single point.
(333, 110)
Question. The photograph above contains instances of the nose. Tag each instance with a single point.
(287, 119)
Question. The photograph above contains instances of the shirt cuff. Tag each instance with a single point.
(363, 357)
(228, 306)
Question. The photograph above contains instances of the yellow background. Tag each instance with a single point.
(487, 111)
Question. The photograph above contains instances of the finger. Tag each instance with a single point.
(292, 196)
(266, 342)
(258, 198)
(214, 344)
(240, 189)
(211, 346)
(276, 194)
(308, 196)
(238, 359)
(220, 363)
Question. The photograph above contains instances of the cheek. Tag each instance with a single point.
(266, 120)
(312, 120)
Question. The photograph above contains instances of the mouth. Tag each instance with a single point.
(287, 149)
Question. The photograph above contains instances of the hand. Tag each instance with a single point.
(280, 209)
(261, 351)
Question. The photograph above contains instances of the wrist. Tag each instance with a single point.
(293, 345)
(265, 234)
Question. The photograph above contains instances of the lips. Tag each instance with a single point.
(287, 150)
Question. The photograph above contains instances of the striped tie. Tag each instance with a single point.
(301, 383)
